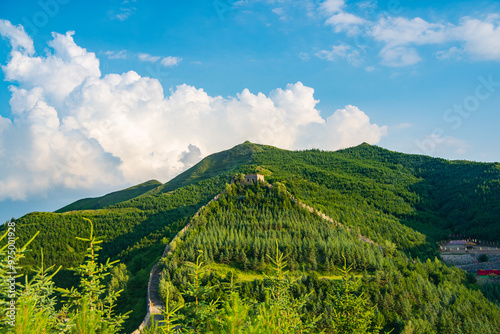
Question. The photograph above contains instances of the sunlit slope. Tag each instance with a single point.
(112, 198)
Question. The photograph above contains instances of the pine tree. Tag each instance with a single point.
(351, 313)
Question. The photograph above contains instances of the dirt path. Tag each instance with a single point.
(155, 305)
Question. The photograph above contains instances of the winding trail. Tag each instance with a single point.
(155, 305)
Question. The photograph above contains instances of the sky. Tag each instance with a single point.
(96, 96)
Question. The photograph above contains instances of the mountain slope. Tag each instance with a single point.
(237, 235)
(214, 165)
(111, 198)
(407, 201)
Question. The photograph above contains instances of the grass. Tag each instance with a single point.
(249, 276)
(240, 276)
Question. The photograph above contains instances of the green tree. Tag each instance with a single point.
(201, 310)
(88, 310)
(281, 313)
(351, 312)
(119, 278)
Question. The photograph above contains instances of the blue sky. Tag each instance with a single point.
(97, 96)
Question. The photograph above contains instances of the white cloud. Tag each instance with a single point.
(298, 102)
(400, 37)
(480, 38)
(73, 128)
(125, 11)
(339, 19)
(18, 38)
(116, 54)
(451, 53)
(5, 124)
(399, 56)
(57, 74)
(332, 6)
(341, 51)
(347, 126)
(281, 13)
(344, 128)
(399, 34)
(367, 5)
(171, 61)
(148, 58)
(337, 51)
(397, 31)
(345, 22)
(304, 56)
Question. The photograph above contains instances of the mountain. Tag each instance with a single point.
(402, 202)
(112, 198)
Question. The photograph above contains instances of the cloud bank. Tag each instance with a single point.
(72, 127)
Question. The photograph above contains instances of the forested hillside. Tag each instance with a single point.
(238, 234)
(403, 202)
(112, 198)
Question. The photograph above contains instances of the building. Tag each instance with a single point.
(469, 246)
(253, 178)
(248, 178)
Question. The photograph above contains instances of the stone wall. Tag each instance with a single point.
(467, 262)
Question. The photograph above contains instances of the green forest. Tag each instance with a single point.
(404, 203)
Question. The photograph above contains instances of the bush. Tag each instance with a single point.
(483, 258)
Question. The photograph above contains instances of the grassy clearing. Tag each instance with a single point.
(249, 276)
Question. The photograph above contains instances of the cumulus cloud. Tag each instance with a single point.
(57, 74)
(72, 127)
(18, 38)
(346, 126)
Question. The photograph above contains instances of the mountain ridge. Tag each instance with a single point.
(229, 159)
